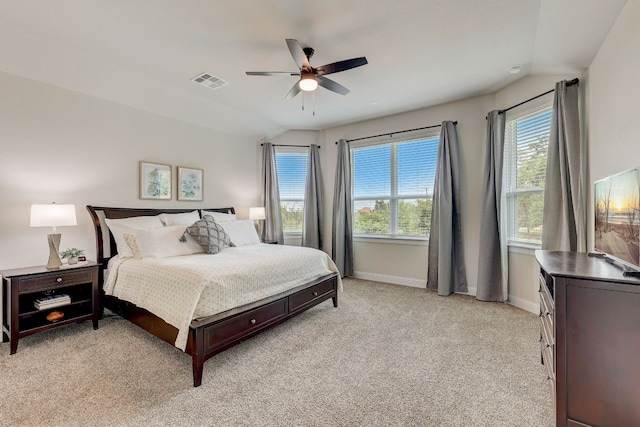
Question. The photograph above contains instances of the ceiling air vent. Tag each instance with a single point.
(212, 82)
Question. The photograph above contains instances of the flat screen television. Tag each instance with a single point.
(617, 219)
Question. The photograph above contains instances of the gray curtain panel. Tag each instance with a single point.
(564, 212)
(313, 201)
(271, 229)
(493, 264)
(446, 258)
(342, 229)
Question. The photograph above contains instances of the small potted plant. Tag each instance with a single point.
(71, 255)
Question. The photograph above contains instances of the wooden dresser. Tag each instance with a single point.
(590, 339)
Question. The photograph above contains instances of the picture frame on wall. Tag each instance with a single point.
(155, 181)
(190, 184)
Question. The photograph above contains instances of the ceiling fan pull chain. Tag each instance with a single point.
(313, 94)
(302, 101)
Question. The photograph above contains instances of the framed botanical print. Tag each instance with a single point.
(155, 181)
(190, 184)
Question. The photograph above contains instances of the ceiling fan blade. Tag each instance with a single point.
(294, 90)
(298, 54)
(272, 73)
(332, 86)
(336, 67)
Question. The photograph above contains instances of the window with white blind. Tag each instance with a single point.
(525, 165)
(393, 187)
(291, 163)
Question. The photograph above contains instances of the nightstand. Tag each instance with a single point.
(23, 286)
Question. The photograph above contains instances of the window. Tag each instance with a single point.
(525, 165)
(291, 163)
(393, 187)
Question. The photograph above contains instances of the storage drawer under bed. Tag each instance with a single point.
(225, 332)
(302, 299)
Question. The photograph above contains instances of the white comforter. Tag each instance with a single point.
(179, 289)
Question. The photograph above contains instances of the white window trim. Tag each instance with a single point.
(397, 240)
(515, 114)
(284, 149)
(386, 139)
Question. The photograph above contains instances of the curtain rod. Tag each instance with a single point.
(569, 83)
(286, 145)
(393, 133)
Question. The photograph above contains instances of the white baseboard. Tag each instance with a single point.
(418, 283)
(395, 280)
(524, 304)
(398, 280)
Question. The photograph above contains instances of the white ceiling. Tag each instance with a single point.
(143, 53)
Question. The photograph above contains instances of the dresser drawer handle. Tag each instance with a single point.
(253, 321)
(59, 280)
(315, 294)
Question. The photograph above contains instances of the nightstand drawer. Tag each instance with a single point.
(59, 278)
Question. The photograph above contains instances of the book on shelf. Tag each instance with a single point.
(51, 301)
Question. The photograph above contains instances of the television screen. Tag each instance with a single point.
(617, 217)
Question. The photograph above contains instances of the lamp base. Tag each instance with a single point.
(54, 248)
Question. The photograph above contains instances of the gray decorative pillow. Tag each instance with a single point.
(209, 234)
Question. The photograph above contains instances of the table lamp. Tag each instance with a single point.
(257, 214)
(53, 216)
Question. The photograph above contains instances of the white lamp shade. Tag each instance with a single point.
(53, 215)
(256, 213)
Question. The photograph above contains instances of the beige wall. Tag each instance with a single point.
(613, 95)
(71, 148)
(63, 146)
(406, 263)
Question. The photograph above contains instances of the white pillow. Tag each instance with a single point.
(161, 242)
(186, 218)
(219, 216)
(241, 232)
(120, 226)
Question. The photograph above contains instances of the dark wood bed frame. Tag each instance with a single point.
(211, 335)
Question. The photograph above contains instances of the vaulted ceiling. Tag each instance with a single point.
(144, 53)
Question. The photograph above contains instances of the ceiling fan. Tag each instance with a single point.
(312, 77)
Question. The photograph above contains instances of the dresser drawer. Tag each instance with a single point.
(57, 279)
(547, 357)
(546, 309)
(222, 333)
(546, 332)
(302, 298)
(547, 349)
(547, 305)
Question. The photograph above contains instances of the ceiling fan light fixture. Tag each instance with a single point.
(308, 83)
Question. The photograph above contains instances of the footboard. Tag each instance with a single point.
(211, 336)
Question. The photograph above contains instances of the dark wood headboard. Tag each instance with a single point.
(98, 213)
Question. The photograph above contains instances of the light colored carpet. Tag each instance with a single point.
(387, 356)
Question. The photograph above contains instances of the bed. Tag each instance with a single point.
(203, 335)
